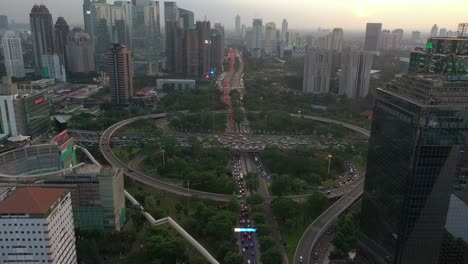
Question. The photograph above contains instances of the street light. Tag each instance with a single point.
(329, 162)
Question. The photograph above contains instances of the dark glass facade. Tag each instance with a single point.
(414, 157)
(37, 114)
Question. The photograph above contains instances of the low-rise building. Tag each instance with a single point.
(175, 84)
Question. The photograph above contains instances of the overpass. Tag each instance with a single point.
(106, 151)
(319, 226)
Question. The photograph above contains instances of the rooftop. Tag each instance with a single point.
(30, 200)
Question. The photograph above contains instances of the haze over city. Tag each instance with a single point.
(301, 14)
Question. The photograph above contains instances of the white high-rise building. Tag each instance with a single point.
(284, 31)
(317, 71)
(37, 226)
(337, 38)
(355, 74)
(13, 55)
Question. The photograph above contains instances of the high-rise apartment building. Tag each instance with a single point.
(284, 31)
(373, 35)
(13, 55)
(397, 38)
(87, 16)
(80, 52)
(434, 31)
(317, 71)
(3, 22)
(204, 37)
(337, 39)
(100, 26)
(355, 74)
(174, 46)
(61, 34)
(37, 226)
(122, 23)
(192, 53)
(42, 32)
(386, 40)
(120, 72)
(443, 33)
(238, 26)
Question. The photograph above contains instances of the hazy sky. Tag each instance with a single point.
(302, 14)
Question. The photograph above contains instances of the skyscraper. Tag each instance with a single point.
(386, 40)
(257, 34)
(174, 38)
(42, 32)
(415, 36)
(416, 151)
(80, 52)
(52, 68)
(204, 37)
(186, 18)
(13, 54)
(101, 26)
(397, 38)
(270, 38)
(122, 23)
(3, 22)
(317, 71)
(120, 72)
(192, 53)
(61, 33)
(87, 16)
(355, 74)
(434, 30)
(238, 26)
(217, 49)
(372, 40)
(443, 32)
(153, 35)
(284, 31)
(171, 11)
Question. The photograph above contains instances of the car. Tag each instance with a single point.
(243, 250)
(248, 261)
(301, 259)
(252, 253)
(250, 237)
(251, 244)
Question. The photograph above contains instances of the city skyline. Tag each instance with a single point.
(335, 13)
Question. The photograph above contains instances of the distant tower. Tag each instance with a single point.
(13, 54)
(355, 74)
(284, 30)
(42, 32)
(373, 35)
(317, 71)
(443, 32)
(3, 22)
(257, 35)
(238, 26)
(80, 52)
(120, 71)
(204, 37)
(337, 38)
(434, 30)
(61, 33)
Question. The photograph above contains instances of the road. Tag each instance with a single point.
(324, 221)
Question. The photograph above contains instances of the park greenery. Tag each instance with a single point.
(204, 169)
(292, 228)
(199, 122)
(211, 223)
(306, 168)
(194, 100)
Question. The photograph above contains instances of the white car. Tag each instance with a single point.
(301, 259)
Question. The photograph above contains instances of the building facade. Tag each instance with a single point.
(416, 153)
(355, 74)
(13, 55)
(37, 226)
(317, 71)
(434, 31)
(284, 31)
(42, 33)
(3, 22)
(257, 37)
(204, 38)
(373, 35)
(120, 72)
(238, 26)
(80, 52)
(52, 68)
(217, 50)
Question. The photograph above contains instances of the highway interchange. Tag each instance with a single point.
(349, 192)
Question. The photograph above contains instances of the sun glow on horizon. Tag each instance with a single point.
(361, 12)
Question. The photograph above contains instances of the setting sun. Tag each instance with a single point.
(361, 12)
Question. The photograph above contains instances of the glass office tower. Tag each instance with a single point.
(416, 152)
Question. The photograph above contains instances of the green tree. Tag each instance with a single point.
(266, 242)
(272, 256)
(284, 208)
(233, 205)
(161, 245)
(252, 182)
(233, 258)
(345, 235)
(255, 199)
